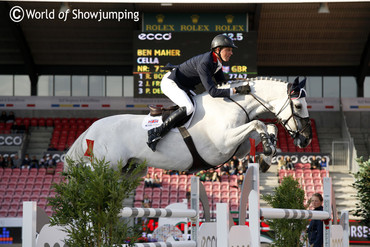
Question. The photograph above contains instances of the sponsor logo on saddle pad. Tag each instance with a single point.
(150, 122)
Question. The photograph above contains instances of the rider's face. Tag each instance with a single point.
(226, 53)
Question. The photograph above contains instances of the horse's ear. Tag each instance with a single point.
(303, 83)
(296, 82)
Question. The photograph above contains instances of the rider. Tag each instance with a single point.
(184, 77)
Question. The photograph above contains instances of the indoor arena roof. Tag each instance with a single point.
(293, 38)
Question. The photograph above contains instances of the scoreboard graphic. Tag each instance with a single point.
(152, 51)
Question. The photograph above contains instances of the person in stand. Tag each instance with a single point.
(157, 182)
(26, 162)
(183, 78)
(315, 163)
(34, 162)
(17, 162)
(316, 228)
(148, 181)
(323, 163)
(288, 163)
(3, 117)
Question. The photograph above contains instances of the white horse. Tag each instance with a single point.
(220, 128)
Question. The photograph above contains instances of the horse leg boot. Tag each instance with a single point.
(268, 141)
(155, 134)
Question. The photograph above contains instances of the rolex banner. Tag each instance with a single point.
(195, 22)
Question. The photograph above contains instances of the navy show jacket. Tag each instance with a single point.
(200, 69)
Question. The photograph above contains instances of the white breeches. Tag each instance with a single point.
(176, 94)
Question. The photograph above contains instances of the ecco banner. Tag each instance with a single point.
(11, 140)
(301, 157)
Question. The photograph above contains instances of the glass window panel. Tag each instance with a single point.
(367, 87)
(348, 87)
(62, 85)
(97, 86)
(114, 86)
(22, 85)
(314, 86)
(128, 86)
(79, 85)
(283, 78)
(331, 86)
(6, 85)
(45, 85)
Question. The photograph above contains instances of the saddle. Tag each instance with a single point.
(165, 112)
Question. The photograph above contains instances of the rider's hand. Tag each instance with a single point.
(246, 89)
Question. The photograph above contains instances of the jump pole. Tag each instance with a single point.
(192, 214)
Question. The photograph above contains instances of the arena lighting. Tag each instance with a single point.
(323, 9)
(166, 4)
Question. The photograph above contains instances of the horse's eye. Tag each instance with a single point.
(298, 106)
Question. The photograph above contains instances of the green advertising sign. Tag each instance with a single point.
(195, 22)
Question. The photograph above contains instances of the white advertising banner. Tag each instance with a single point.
(356, 104)
(323, 104)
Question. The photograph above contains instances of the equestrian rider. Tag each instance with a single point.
(200, 69)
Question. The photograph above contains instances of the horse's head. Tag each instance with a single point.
(294, 116)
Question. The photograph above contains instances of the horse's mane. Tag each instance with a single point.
(255, 79)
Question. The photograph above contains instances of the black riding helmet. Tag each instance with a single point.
(222, 41)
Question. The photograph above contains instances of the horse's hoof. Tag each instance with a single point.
(264, 166)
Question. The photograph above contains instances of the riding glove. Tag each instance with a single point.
(246, 89)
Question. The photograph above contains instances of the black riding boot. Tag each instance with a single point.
(155, 134)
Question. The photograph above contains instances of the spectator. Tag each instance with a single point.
(315, 163)
(323, 163)
(26, 162)
(148, 181)
(288, 163)
(34, 162)
(42, 162)
(9, 162)
(202, 175)
(11, 117)
(225, 169)
(241, 167)
(15, 128)
(17, 162)
(3, 117)
(157, 182)
(215, 177)
(50, 161)
(232, 168)
(315, 228)
(281, 164)
(2, 161)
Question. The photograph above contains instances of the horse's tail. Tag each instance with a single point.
(76, 151)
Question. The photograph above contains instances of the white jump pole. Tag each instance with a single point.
(29, 224)
(254, 207)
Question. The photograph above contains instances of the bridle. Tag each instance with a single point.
(284, 123)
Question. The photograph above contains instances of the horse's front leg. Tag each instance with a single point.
(256, 130)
